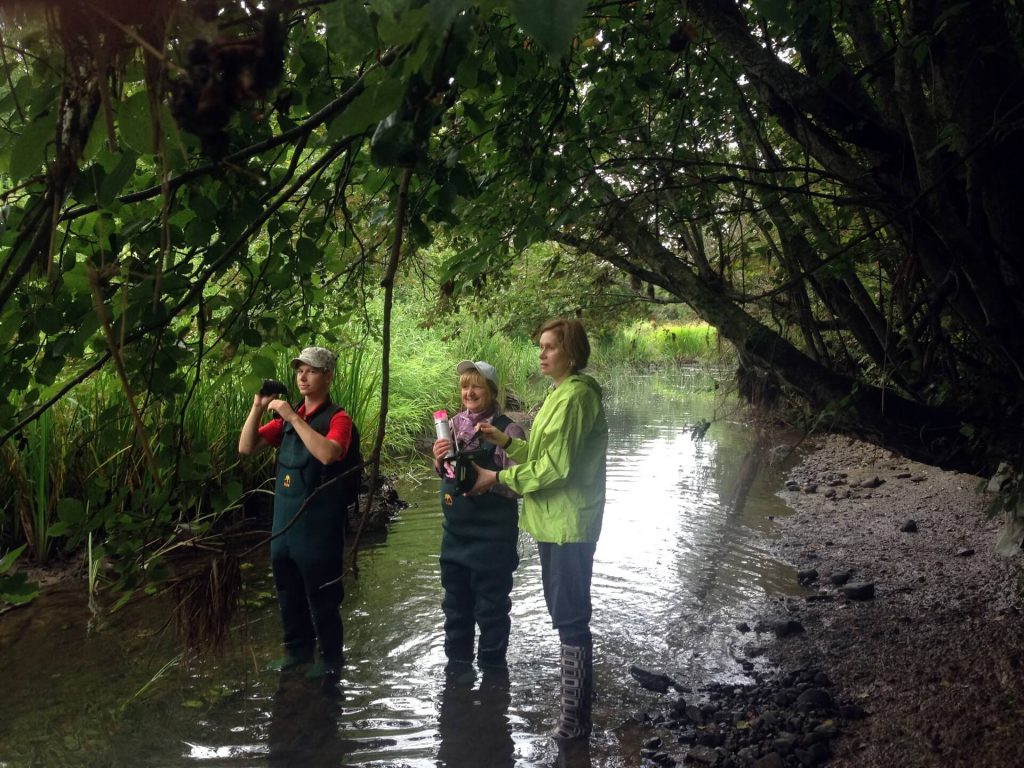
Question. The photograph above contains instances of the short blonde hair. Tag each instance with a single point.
(572, 337)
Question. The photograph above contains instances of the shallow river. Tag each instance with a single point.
(680, 562)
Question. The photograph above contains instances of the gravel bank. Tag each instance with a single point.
(936, 655)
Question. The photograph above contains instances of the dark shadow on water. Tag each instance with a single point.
(473, 722)
(573, 754)
(303, 729)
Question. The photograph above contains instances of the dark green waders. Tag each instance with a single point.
(478, 556)
(308, 558)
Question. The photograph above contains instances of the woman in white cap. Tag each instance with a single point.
(479, 543)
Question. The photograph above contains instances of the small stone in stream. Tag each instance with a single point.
(872, 483)
(861, 590)
(903, 476)
(648, 753)
(909, 526)
(784, 743)
(821, 680)
(652, 681)
(743, 627)
(687, 736)
(852, 712)
(815, 700)
(810, 488)
(693, 714)
(965, 553)
(787, 627)
(807, 576)
(830, 493)
(702, 754)
(771, 760)
(748, 666)
(840, 578)
(918, 479)
(792, 485)
(826, 731)
(663, 758)
(653, 743)
(642, 717)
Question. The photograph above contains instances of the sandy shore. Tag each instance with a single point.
(936, 656)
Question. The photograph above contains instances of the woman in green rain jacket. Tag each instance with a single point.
(560, 473)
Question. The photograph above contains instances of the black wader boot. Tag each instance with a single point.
(577, 671)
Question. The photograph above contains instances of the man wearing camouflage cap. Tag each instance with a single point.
(317, 444)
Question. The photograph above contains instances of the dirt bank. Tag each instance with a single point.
(936, 656)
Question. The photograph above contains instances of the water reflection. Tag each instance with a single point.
(473, 721)
(304, 724)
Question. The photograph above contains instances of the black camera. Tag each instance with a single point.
(465, 475)
(273, 387)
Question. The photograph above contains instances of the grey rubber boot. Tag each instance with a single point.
(577, 690)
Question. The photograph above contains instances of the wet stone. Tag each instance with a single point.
(787, 627)
(840, 578)
(859, 590)
(807, 576)
(703, 755)
(771, 760)
(786, 719)
(909, 526)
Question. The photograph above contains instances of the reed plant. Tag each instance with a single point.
(647, 343)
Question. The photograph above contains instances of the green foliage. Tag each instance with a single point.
(15, 588)
(652, 343)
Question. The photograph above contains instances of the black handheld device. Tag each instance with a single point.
(273, 387)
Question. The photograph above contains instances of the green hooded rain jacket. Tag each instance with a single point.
(560, 469)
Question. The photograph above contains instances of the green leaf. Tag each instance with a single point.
(136, 126)
(375, 103)
(28, 152)
(71, 512)
(263, 367)
(17, 589)
(550, 22)
(115, 181)
(8, 560)
(350, 30)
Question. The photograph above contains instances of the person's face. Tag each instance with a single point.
(476, 395)
(312, 382)
(554, 361)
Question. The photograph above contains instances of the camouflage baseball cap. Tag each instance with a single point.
(318, 357)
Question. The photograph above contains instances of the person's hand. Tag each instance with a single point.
(440, 449)
(261, 401)
(485, 480)
(492, 434)
(282, 408)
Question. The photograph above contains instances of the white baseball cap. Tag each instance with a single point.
(485, 369)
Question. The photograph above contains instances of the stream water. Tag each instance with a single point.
(680, 562)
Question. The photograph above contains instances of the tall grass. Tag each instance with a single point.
(647, 343)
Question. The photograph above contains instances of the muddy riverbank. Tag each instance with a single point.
(936, 657)
(906, 648)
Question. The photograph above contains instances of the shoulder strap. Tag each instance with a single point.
(321, 420)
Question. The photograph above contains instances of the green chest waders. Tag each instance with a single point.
(478, 556)
(308, 557)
